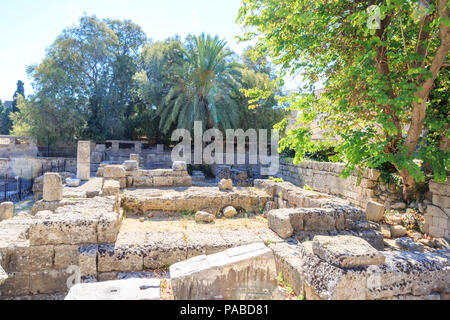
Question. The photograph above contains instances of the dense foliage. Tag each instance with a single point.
(103, 79)
(385, 74)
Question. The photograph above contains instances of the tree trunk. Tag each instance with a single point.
(409, 185)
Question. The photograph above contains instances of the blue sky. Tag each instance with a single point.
(28, 27)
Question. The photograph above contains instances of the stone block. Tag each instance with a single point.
(279, 221)
(159, 148)
(65, 256)
(114, 172)
(30, 258)
(408, 244)
(202, 216)
(179, 166)
(346, 251)
(439, 188)
(143, 181)
(398, 231)
(111, 188)
(16, 284)
(162, 181)
(374, 211)
(441, 201)
(53, 187)
(84, 152)
(87, 260)
(96, 157)
(246, 272)
(6, 210)
(130, 165)
(225, 185)
(122, 258)
(83, 171)
(229, 212)
(128, 289)
(49, 281)
(182, 181)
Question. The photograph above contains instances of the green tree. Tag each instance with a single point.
(379, 65)
(206, 87)
(162, 66)
(259, 111)
(5, 121)
(20, 91)
(86, 78)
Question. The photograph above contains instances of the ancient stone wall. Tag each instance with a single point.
(11, 146)
(32, 167)
(437, 216)
(324, 177)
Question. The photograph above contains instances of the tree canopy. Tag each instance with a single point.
(103, 79)
(383, 64)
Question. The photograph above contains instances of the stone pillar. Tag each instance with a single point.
(115, 147)
(136, 158)
(6, 210)
(84, 160)
(53, 187)
(138, 147)
(159, 148)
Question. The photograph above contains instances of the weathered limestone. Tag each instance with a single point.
(408, 244)
(73, 183)
(90, 221)
(346, 251)
(229, 212)
(225, 185)
(402, 274)
(128, 289)
(84, 160)
(280, 222)
(374, 211)
(179, 166)
(172, 202)
(110, 188)
(159, 148)
(398, 231)
(6, 210)
(13, 146)
(202, 216)
(100, 148)
(130, 165)
(359, 188)
(437, 215)
(53, 187)
(38, 185)
(247, 272)
(114, 172)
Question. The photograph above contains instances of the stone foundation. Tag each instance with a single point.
(324, 177)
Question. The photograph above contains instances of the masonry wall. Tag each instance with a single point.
(32, 167)
(437, 216)
(324, 177)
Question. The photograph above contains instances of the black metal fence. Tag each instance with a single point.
(14, 189)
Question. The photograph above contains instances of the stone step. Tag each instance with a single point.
(129, 289)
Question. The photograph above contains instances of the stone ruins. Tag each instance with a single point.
(120, 229)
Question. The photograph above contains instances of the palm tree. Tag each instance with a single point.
(206, 89)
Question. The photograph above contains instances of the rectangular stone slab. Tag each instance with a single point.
(346, 251)
(129, 289)
(239, 273)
